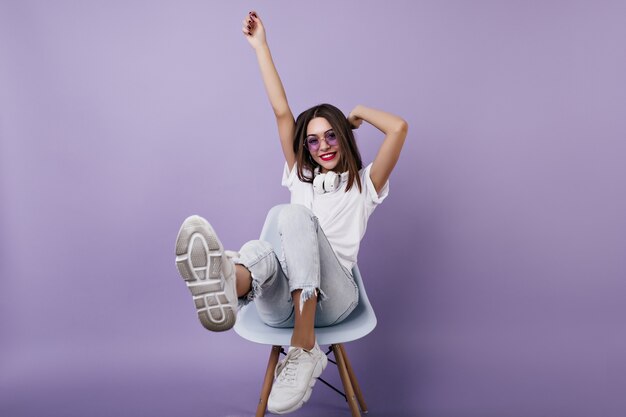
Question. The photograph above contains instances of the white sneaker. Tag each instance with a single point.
(208, 272)
(295, 377)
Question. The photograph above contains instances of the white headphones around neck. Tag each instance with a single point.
(328, 182)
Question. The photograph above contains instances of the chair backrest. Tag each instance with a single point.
(358, 324)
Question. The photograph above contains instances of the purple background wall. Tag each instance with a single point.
(496, 266)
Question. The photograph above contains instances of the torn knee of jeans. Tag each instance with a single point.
(321, 296)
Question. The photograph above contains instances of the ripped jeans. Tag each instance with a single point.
(305, 261)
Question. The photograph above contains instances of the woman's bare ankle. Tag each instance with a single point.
(244, 280)
(306, 343)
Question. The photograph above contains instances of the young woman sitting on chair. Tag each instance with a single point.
(332, 197)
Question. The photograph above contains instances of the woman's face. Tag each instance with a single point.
(318, 135)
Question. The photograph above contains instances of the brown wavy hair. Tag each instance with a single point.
(350, 156)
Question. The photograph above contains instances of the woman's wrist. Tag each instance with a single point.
(383, 121)
(357, 111)
(261, 47)
(355, 114)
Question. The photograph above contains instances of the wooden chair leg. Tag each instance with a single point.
(345, 379)
(268, 380)
(355, 383)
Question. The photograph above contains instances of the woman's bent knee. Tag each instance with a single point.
(259, 258)
(253, 252)
(294, 214)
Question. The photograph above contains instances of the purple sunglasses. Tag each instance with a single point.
(313, 143)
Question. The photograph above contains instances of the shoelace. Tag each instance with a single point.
(286, 369)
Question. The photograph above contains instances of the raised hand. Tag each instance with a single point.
(253, 30)
(354, 120)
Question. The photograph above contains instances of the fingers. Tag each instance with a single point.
(251, 21)
(246, 27)
(354, 121)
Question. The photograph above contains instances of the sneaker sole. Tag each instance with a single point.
(317, 372)
(199, 263)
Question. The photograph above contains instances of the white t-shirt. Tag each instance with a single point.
(342, 215)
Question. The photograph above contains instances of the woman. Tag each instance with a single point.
(332, 197)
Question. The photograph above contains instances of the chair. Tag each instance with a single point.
(359, 323)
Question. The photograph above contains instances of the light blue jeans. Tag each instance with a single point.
(305, 261)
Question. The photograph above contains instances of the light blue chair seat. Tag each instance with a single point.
(358, 324)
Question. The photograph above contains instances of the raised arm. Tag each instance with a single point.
(395, 130)
(254, 32)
